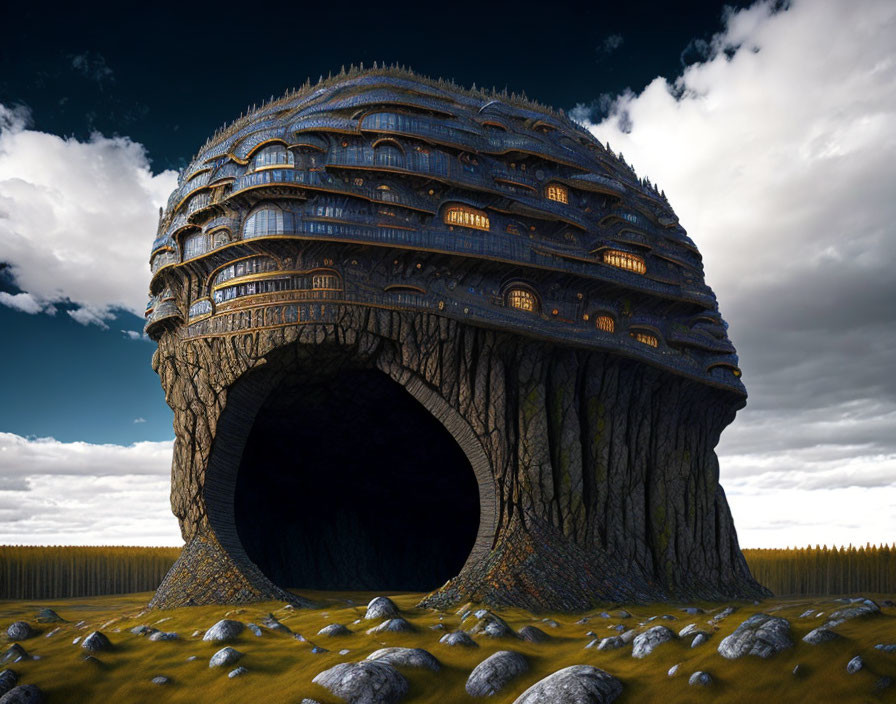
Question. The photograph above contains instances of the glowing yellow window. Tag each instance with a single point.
(522, 299)
(605, 323)
(624, 260)
(646, 339)
(464, 216)
(324, 281)
(557, 192)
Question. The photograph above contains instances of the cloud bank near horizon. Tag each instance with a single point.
(777, 151)
(78, 493)
(76, 220)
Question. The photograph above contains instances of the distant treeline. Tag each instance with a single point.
(824, 570)
(59, 572)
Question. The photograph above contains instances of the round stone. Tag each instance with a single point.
(368, 682)
(224, 631)
(224, 657)
(380, 607)
(406, 657)
(700, 679)
(20, 630)
(578, 684)
(495, 672)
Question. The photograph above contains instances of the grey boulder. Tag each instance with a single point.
(863, 608)
(393, 625)
(688, 630)
(611, 643)
(645, 643)
(700, 639)
(366, 682)
(237, 672)
(406, 657)
(533, 634)
(161, 679)
(48, 616)
(761, 635)
(491, 625)
(492, 674)
(224, 657)
(23, 694)
(334, 629)
(143, 630)
(224, 631)
(459, 638)
(15, 653)
(724, 613)
(20, 630)
(700, 679)
(8, 680)
(96, 642)
(820, 635)
(578, 684)
(854, 665)
(162, 635)
(381, 607)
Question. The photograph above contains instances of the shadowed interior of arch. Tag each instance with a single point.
(348, 482)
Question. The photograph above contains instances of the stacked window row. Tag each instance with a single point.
(295, 282)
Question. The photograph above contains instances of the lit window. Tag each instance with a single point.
(465, 216)
(557, 192)
(325, 281)
(624, 260)
(605, 323)
(273, 155)
(646, 339)
(194, 245)
(522, 299)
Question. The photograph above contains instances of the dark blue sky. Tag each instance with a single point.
(167, 79)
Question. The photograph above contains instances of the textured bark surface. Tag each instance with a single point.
(597, 475)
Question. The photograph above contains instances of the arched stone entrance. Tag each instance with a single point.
(332, 474)
(348, 482)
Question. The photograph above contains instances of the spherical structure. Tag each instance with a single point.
(408, 328)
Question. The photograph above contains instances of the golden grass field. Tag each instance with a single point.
(280, 668)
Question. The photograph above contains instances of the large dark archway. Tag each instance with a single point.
(348, 482)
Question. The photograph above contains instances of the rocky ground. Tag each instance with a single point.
(370, 649)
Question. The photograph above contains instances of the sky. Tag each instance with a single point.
(770, 126)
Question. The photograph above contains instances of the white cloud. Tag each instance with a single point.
(140, 420)
(26, 303)
(55, 493)
(76, 220)
(134, 335)
(778, 153)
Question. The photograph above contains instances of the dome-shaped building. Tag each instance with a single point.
(413, 333)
